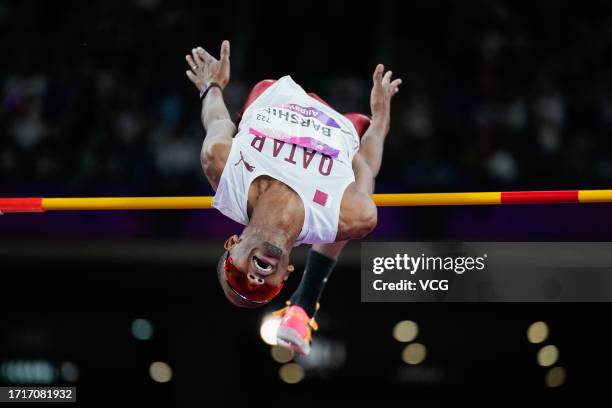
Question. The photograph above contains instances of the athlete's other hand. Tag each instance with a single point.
(382, 92)
(205, 68)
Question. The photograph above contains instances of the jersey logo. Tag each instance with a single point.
(248, 166)
(320, 198)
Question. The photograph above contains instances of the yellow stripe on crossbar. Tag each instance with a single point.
(127, 203)
(423, 199)
(595, 196)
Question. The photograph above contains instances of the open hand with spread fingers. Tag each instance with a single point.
(383, 90)
(204, 68)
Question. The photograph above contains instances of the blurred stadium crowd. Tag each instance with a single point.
(496, 95)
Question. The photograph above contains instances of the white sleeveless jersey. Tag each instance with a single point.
(289, 136)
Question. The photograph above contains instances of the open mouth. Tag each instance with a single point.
(262, 264)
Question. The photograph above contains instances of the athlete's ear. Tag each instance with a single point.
(231, 242)
(290, 269)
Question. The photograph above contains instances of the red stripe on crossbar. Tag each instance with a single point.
(538, 197)
(21, 204)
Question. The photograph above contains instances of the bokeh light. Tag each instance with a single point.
(281, 354)
(268, 329)
(405, 331)
(555, 377)
(548, 355)
(291, 373)
(537, 332)
(142, 329)
(414, 353)
(160, 372)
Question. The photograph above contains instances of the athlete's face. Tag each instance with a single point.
(262, 262)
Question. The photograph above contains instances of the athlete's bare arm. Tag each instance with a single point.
(358, 213)
(216, 119)
(371, 148)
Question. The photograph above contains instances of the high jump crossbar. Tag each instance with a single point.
(40, 204)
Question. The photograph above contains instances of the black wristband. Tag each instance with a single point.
(209, 86)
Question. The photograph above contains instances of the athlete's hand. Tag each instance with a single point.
(205, 68)
(382, 92)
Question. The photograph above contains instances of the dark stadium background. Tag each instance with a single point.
(497, 95)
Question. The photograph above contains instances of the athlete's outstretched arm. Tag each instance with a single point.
(371, 147)
(205, 69)
(358, 213)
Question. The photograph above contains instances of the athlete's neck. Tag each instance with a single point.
(276, 212)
